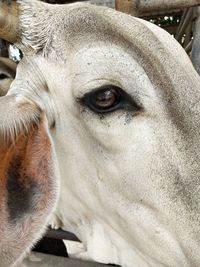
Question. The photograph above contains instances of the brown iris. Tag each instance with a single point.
(105, 99)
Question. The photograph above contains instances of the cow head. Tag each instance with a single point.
(121, 100)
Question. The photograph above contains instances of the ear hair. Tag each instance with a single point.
(17, 117)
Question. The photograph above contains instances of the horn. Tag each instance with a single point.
(9, 20)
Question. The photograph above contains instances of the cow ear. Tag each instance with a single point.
(28, 187)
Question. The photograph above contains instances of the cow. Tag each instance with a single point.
(113, 135)
(7, 74)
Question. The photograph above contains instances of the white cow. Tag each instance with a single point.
(123, 119)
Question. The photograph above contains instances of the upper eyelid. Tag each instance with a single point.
(93, 91)
(96, 84)
(99, 89)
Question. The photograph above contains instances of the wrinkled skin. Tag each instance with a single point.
(130, 179)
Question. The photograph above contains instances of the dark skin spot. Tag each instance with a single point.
(21, 191)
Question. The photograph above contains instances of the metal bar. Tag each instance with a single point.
(61, 234)
(182, 20)
(188, 47)
(185, 23)
(188, 33)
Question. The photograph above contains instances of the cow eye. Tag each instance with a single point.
(108, 99)
(3, 76)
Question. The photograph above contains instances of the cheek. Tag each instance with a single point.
(129, 158)
(108, 131)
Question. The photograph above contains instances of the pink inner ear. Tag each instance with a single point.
(28, 187)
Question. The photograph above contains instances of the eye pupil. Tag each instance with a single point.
(106, 99)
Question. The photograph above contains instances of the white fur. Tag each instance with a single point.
(129, 182)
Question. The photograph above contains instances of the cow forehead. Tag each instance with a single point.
(48, 27)
(62, 30)
(59, 32)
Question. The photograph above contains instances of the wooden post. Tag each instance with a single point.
(127, 6)
(150, 7)
(3, 48)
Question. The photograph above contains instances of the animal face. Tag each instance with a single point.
(121, 101)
